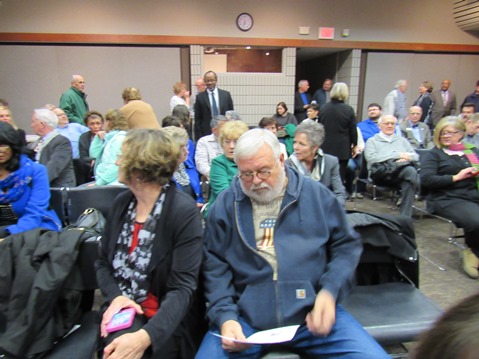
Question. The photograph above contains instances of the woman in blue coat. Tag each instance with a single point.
(24, 189)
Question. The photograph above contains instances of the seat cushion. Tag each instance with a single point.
(392, 312)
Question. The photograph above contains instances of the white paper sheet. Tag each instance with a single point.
(270, 336)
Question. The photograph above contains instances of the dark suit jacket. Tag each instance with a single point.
(426, 137)
(320, 97)
(438, 109)
(84, 146)
(299, 110)
(56, 155)
(203, 114)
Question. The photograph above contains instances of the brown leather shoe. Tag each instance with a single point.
(470, 263)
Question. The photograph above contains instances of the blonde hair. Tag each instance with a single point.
(117, 120)
(339, 92)
(232, 130)
(178, 86)
(453, 121)
(149, 154)
(11, 122)
(131, 93)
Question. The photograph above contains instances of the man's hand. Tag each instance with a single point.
(404, 156)
(232, 329)
(116, 305)
(128, 346)
(323, 316)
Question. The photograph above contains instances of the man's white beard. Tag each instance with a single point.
(268, 195)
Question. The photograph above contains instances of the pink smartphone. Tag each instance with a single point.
(121, 320)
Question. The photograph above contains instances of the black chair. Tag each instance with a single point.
(58, 203)
(387, 300)
(99, 197)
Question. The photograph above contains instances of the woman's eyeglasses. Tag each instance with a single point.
(449, 134)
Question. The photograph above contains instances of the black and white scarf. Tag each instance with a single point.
(131, 270)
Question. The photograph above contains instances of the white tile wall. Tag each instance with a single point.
(255, 95)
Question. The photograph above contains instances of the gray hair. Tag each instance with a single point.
(215, 121)
(400, 83)
(232, 115)
(302, 82)
(178, 134)
(382, 118)
(339, 92)
(474, 117)
(46, 116)
(314, 132)
(251, 141)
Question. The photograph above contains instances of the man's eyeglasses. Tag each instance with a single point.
(262, 175)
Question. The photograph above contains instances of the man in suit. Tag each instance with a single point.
(416, 132)
(209, 104)
(302, 99)
(321, 96)
(444, 103)
(53, 150)
(473, 97)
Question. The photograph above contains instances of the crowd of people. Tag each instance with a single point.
(265, 262)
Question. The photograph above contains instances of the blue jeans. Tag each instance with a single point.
(347, 340)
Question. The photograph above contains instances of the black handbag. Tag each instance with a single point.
(91, 221)
(386, 173)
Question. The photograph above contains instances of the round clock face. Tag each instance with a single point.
(244, 21)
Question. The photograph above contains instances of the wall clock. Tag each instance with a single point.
(244, 21)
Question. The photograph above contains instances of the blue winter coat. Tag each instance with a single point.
(32, 207)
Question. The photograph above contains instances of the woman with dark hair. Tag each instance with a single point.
(449, 173)
(25, 194)
(313, 112)
(150, 255)
(424, 100)
(282, 116)
(106, 147)
(182, 112)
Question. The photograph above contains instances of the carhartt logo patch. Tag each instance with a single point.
(300, 293)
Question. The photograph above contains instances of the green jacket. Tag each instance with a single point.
(222, 173)
(73, 102)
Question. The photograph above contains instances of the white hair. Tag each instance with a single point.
(46, 116)
(400, 83)
(387, 117)
(251, 141)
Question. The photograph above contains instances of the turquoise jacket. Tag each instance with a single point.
(105, 154)
(73, 102)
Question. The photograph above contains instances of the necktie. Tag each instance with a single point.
(215, 106)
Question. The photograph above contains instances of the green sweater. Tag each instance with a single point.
(73, 102)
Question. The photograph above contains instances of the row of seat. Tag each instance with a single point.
(392, 313)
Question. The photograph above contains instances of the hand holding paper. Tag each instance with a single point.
(271, 336)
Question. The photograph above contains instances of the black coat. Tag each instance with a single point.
(299, 110)
(340, 129)
(173, 269)
(35, 307)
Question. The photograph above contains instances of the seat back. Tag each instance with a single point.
(99, 197)
(58, 203)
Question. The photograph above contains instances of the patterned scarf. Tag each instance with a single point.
(466, 148)
(181, 176)
(14, 185)
(131, 270)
